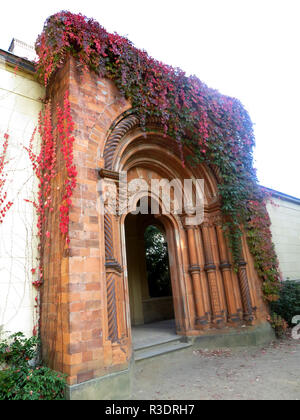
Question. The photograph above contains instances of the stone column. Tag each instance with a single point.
(226, 269)
(210, 268)
(203, 275)
(194, 269)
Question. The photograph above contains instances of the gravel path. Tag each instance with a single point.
(270, 373)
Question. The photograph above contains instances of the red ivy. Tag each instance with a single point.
(216, 127)
(65, 128)
(4, 204)
(45, 167)
(183, 103)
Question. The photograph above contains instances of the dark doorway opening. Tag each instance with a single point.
(149, 282)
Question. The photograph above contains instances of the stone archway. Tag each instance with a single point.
(210, 293)
(146, 165)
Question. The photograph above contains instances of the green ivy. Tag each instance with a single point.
(288, 304)
(21, 378)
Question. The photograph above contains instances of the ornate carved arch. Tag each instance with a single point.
(123, 126)
(119, 131)
(206, 233)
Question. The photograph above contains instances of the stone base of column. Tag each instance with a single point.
(202, 323)
(115, 386)
(218, 322)
(249, 319)
(257, 335)
(235, 320)
(234, 323)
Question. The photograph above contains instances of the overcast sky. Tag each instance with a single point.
(248, 49)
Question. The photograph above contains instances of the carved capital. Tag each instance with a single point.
(216, 219)
(242, 263)
(206, 223)
(212, 219)
(105, 173)
(210, 267)
(225, 266)
(185, 225)
(113, 264)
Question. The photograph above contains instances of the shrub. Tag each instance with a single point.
(21, 378)
(279, 324)
(288, 304)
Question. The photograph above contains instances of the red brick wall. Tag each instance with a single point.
(73, 311)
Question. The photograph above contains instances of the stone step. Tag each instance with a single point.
(159, 349)
(146, 343)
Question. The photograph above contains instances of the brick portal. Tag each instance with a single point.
(85, 308)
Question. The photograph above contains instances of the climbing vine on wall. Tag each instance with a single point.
(5, 204)
(217, 128)
(52, 203)
(261, 246)
(65, 128)
(45, 167)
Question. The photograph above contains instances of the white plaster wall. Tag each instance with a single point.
(285, 218)
(19, 108)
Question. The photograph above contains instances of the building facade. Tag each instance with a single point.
(95, 289)
(284, 212)
(87, 299)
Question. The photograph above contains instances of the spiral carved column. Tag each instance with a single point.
(245, 292)
(112, 268)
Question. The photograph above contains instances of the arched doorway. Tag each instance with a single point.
(149, 278)
(206, 291)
